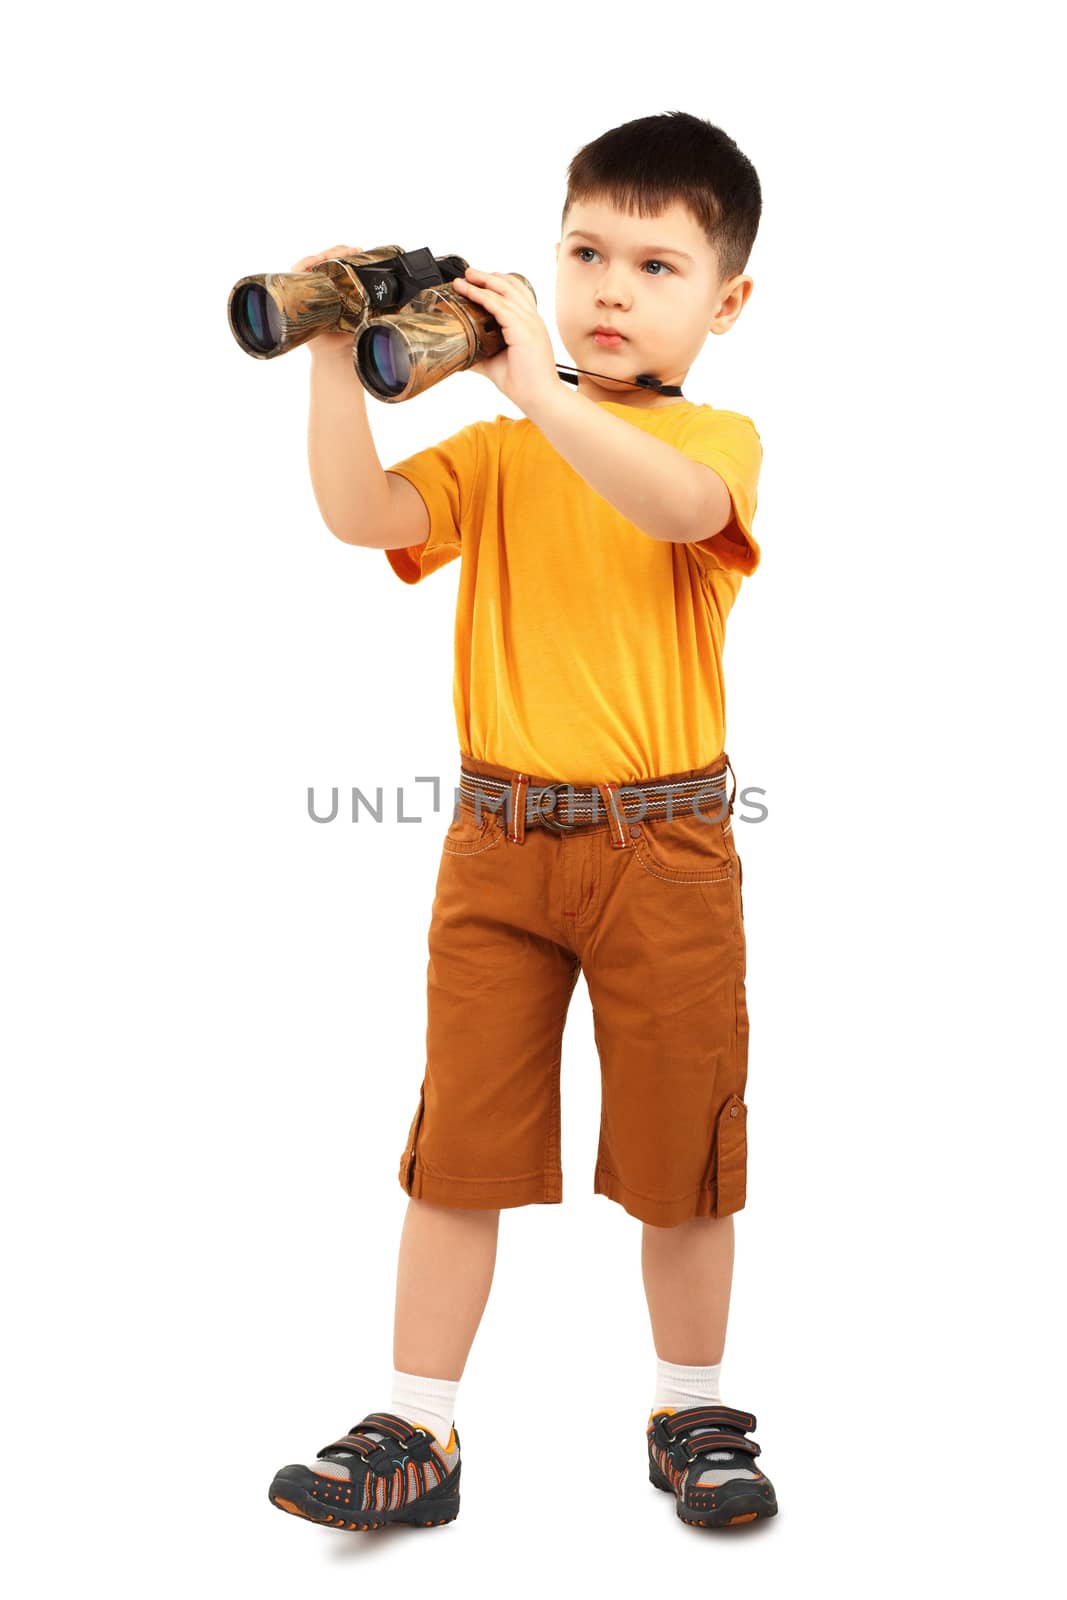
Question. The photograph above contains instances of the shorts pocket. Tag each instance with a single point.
(731, 841)
(731, 1139)
(686, 848)
(468, 835)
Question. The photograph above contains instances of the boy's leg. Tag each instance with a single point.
(401, 1462)
(688, 1271)
(687, 1274)
(444, 1273)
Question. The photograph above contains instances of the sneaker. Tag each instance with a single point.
(384, 1470)
(701, 1456)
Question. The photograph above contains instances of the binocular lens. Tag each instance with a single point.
(257, 318)
(385, 358)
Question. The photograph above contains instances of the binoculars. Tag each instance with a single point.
(410, 328)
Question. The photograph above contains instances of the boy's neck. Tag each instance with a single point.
(640, 400)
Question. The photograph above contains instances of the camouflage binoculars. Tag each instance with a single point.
(410, 328)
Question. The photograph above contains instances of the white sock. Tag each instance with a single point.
(425, 1402)
(680, 1387)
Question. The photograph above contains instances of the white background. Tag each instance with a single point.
(215, 1011)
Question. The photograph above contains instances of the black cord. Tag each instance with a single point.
(644, 380)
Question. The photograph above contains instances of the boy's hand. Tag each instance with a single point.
(526, 370)
(328, 344)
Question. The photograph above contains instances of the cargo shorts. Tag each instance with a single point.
(651, 911)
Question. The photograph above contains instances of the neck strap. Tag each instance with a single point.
(644, 380)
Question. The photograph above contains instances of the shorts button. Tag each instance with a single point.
(635, 831)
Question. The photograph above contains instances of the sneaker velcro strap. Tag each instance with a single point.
(705, 1417)
(389, 1422)
(358, 1442)
(706, 1440)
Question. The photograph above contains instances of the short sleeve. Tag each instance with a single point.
(447, 476)
(729, 444)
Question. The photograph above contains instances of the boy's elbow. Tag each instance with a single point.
(345, 536)
(395, 520)
(350, 533)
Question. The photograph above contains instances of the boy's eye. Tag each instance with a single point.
(588, 249)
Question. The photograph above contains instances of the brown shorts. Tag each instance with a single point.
(651, 912)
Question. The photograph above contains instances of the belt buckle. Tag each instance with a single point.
(549, 818)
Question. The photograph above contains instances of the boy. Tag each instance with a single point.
(604, 536)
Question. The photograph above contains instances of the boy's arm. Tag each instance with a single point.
(359, 502)
(663, 492)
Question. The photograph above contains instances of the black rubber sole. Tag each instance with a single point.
(742, 1507)
(290, 1495)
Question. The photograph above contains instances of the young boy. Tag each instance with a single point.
(603, 537)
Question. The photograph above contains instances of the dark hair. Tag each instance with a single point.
(646, 165)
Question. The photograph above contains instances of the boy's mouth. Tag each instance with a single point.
(607, 337)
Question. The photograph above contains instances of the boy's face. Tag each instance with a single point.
(655, 279)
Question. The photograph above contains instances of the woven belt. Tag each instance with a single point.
(565, 807)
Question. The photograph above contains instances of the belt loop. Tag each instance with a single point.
(517, 822)
(733, 775)
(606, 791)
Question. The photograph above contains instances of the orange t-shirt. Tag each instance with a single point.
(585, 651)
